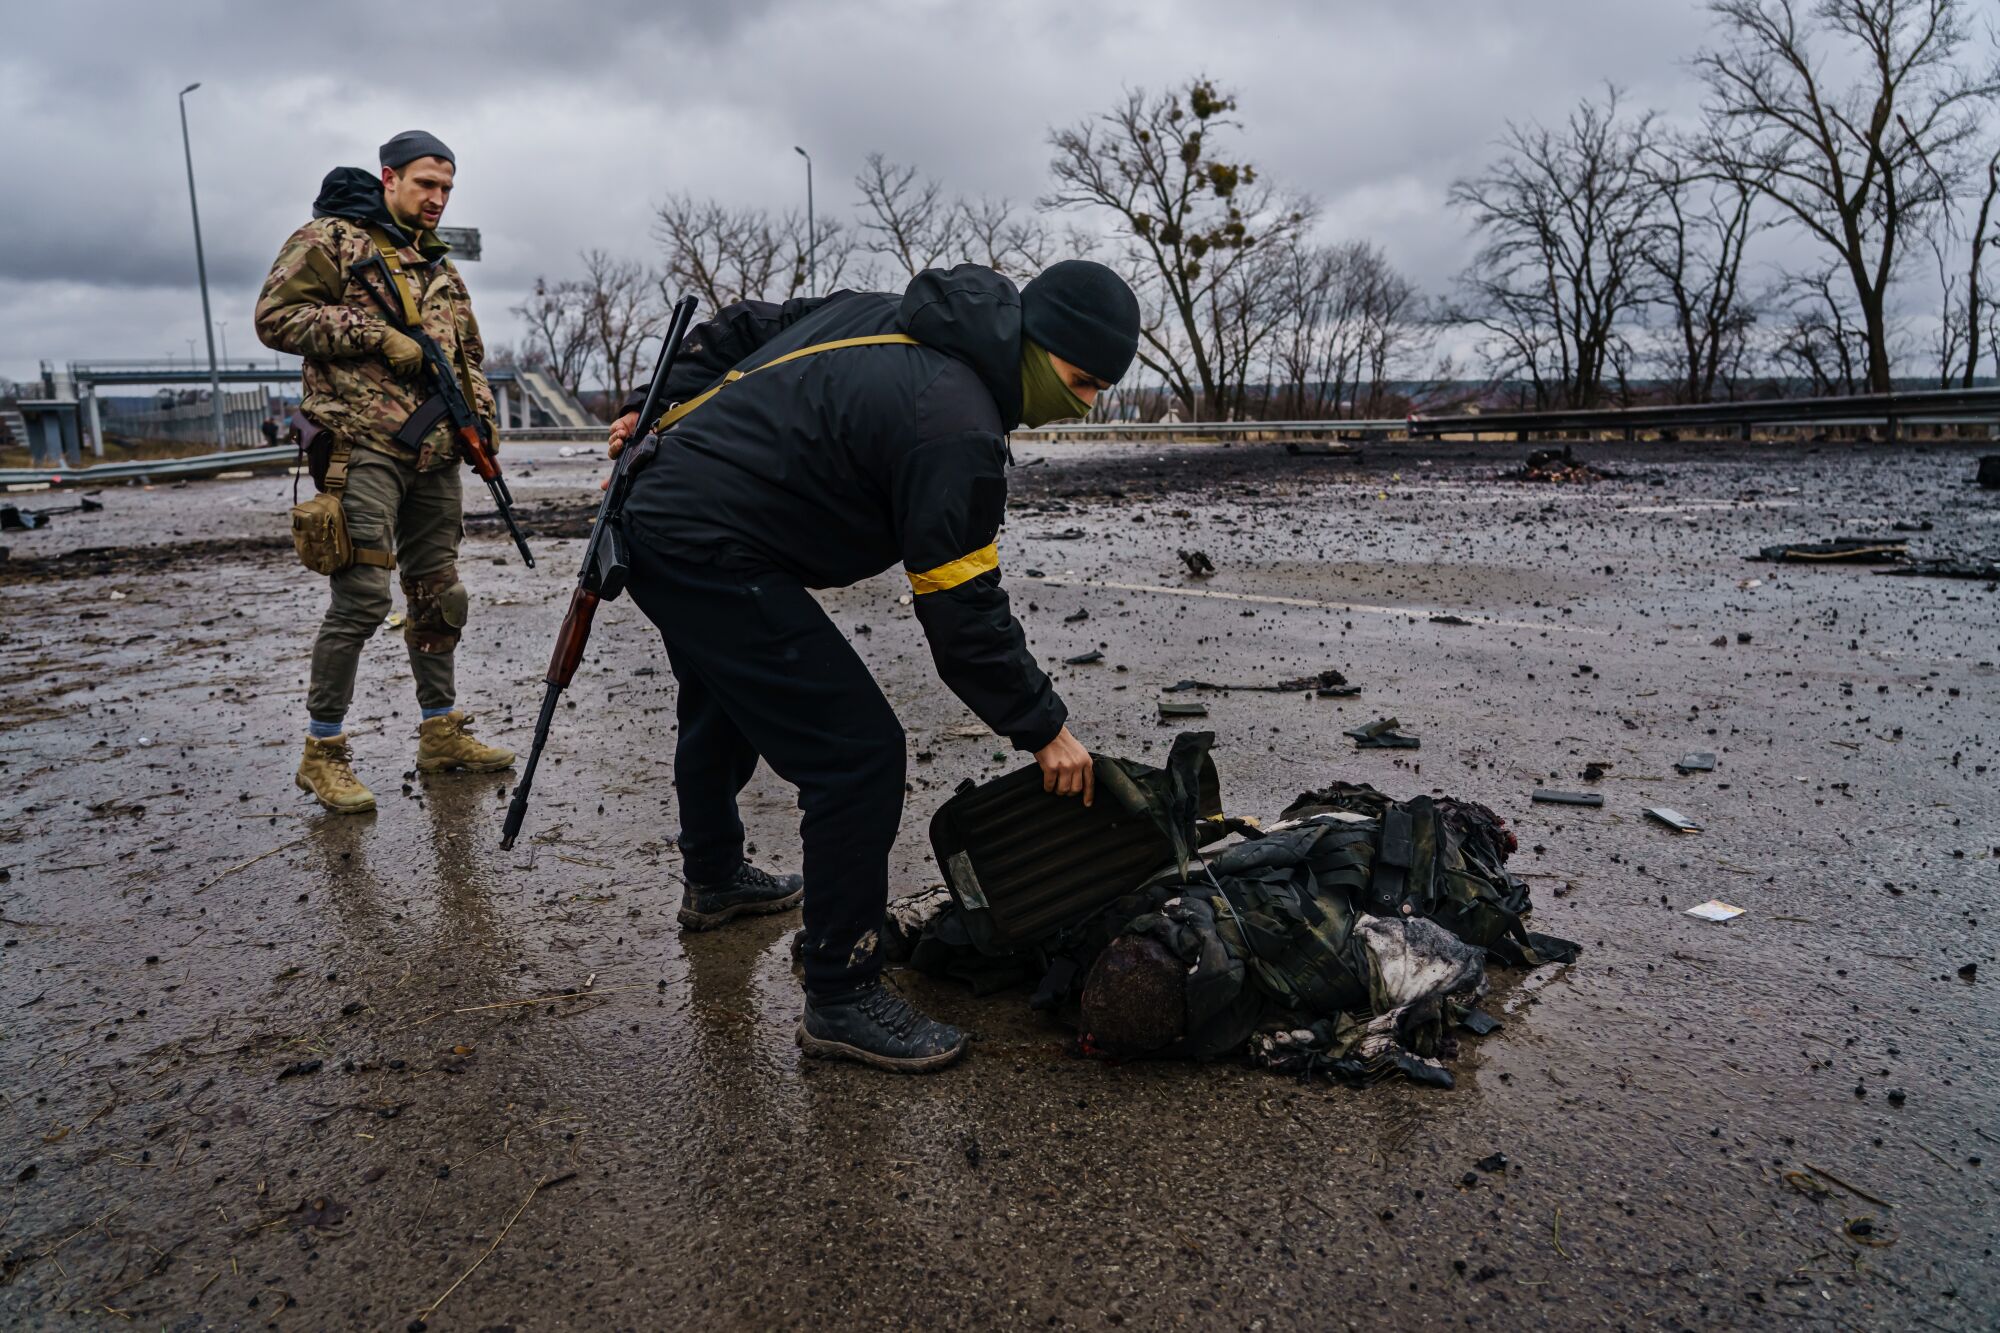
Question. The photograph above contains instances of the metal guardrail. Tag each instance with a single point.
(1929, 407)
(151, 469)
(1934, 406)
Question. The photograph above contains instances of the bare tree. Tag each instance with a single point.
(995, 235)
(559, 332)
(1966, 305)
(907, 219)
(721, 254)
(724, 255)
(1349, 320)
(836, 257)
(1186, 220)
(1859, 164)
(1705, 223)
(1566, 217)
(1822, 340)
(620, 313)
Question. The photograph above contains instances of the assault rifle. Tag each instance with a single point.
(604, 566)
(464, 421)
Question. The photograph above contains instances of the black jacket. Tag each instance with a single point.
(838, 465)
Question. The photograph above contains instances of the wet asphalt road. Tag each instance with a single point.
(262, 1066)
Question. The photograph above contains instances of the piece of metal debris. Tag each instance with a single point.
(1673, 819)
(1715, 910)
(1545, 796)
(1381, 734)
(1699, 761)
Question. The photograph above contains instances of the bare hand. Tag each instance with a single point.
(1067, 768)
(621, 431)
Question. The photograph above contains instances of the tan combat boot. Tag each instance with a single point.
(446, 742)
(327, 771)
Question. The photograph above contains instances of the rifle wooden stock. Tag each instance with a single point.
(482, 459)
(572, 638)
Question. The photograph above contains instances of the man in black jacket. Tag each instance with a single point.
(843, 435)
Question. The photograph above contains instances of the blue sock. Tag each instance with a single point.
(322, 730)
(430, 713)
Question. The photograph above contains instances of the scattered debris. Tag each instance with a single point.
(1545, 796)
(1985, 570)
(1172, 711)
(1197, 562)
(1989, 472)
(1557, 467)
(1970, 972)
(1700, 761)
(1085, 659)
(15, 519)
(1328, 684)
(1496, 1162)
(1449, 620)
(1858, 550)
(1673, 819)
(1715, 910)
(1381, 734)
(1077, 616)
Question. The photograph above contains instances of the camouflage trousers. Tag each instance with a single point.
(390, 506)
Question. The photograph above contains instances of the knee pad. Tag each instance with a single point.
(438, 607)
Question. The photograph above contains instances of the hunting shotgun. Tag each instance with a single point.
(604, 567)
(464, 422)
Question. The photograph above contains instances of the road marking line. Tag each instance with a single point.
(1267, 599)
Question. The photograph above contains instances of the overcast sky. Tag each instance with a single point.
(572, 121)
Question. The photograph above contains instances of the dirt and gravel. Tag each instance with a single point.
(266, 1067)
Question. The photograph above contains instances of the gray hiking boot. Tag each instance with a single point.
(878, 1027)
(749, 891)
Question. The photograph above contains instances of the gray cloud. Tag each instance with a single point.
(572, 122)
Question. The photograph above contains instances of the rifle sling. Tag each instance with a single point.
(679, 410)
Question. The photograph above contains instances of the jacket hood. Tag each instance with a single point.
(354, 194)
(971, 313)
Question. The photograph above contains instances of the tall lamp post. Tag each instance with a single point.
(201, 269)
(812, 232)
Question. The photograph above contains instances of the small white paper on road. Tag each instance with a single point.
(1715, 910)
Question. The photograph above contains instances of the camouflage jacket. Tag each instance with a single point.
(314, 305)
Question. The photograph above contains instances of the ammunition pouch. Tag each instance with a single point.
(319, 526)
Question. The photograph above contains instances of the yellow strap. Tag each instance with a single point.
(397, 278)
(958, 571)
(680, 410)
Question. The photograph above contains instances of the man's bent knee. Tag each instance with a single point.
(439, 604)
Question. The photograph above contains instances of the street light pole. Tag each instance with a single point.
(812, 232)
(201, 269)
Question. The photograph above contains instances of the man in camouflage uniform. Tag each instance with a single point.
(364, 383)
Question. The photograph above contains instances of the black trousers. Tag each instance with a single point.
(763, 673)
